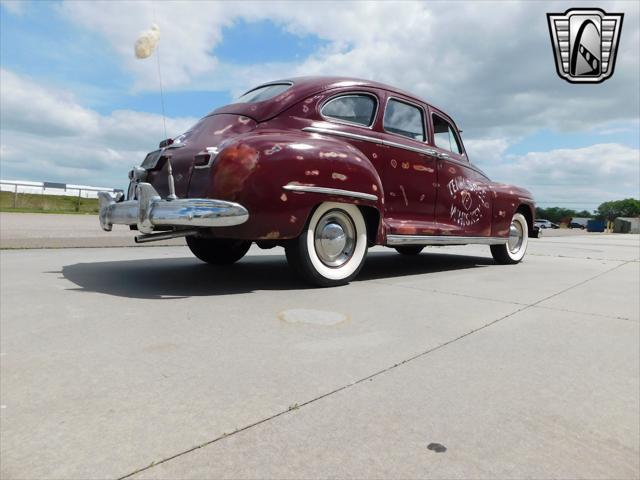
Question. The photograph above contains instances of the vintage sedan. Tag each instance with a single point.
(325, 167)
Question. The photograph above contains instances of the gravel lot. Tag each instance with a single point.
(146, 362)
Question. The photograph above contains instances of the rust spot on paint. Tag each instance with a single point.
(235, 165)
(338, 176)
(407, 230)
(312, 173)
(271, 235)
(405, 165)
(502, 213)
(374, 187)
(422, 197)
(283, 197)
(452, 170)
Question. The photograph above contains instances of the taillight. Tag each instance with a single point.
(206, 158)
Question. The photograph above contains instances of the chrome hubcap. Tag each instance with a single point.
(335, 239)
(516, 236)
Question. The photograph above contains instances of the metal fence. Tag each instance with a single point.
(52, 188)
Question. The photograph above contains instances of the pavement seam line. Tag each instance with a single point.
(364, 379)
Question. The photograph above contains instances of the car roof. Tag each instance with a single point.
(301, 88)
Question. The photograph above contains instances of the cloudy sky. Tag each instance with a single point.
(78, 107)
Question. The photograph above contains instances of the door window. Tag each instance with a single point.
(404, 119)
(444, 136)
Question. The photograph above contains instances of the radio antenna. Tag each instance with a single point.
(164, 121)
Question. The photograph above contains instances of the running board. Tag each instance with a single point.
(395, 240)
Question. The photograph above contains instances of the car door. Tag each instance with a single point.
(463, 203)
(409, 176)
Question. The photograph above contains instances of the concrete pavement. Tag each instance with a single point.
(147, 363)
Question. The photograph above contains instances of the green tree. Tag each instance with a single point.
(584, 214)
(629, 207)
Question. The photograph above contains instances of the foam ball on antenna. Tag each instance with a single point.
(147, 42)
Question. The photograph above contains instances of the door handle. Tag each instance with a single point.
(443, 155)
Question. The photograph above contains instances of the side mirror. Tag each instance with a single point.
(166, 143)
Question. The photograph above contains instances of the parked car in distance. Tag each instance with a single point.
(576, 225)
(325, 167)
(541, 223)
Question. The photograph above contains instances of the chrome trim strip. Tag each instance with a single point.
(340, 133)
(426, 151)
(329, 191)
(442, 240)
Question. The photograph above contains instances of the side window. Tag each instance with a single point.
(404, 119)
(352, 108)
(444, 136)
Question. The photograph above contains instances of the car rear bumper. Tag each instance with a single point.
(150, 211)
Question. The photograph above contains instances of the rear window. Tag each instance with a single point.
(263, 93)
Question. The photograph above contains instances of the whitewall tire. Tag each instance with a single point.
(513, 251)
(331, 249)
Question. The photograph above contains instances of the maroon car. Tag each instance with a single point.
(325, 167)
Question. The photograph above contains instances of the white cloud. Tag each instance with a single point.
(16, 7)
(580, 177)
(489, 64)
(47, 135)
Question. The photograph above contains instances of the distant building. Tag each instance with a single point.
(626, 225)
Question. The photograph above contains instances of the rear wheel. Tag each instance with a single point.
(218, 251)
(410, 249)
(331, 249)
(513, 251)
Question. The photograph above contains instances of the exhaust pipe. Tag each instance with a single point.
(154, 237)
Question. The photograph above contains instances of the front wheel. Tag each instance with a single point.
(218, 251)
(331, 249)
(513, 251)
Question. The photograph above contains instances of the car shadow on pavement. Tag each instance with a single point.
(166, 278)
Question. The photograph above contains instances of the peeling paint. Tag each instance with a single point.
(332, 155)
(404, 195)
(222, 130)
(422, 168)
(276, 148)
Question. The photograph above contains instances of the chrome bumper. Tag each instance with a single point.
(150, 211)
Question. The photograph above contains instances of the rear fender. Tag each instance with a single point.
(280, 177)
